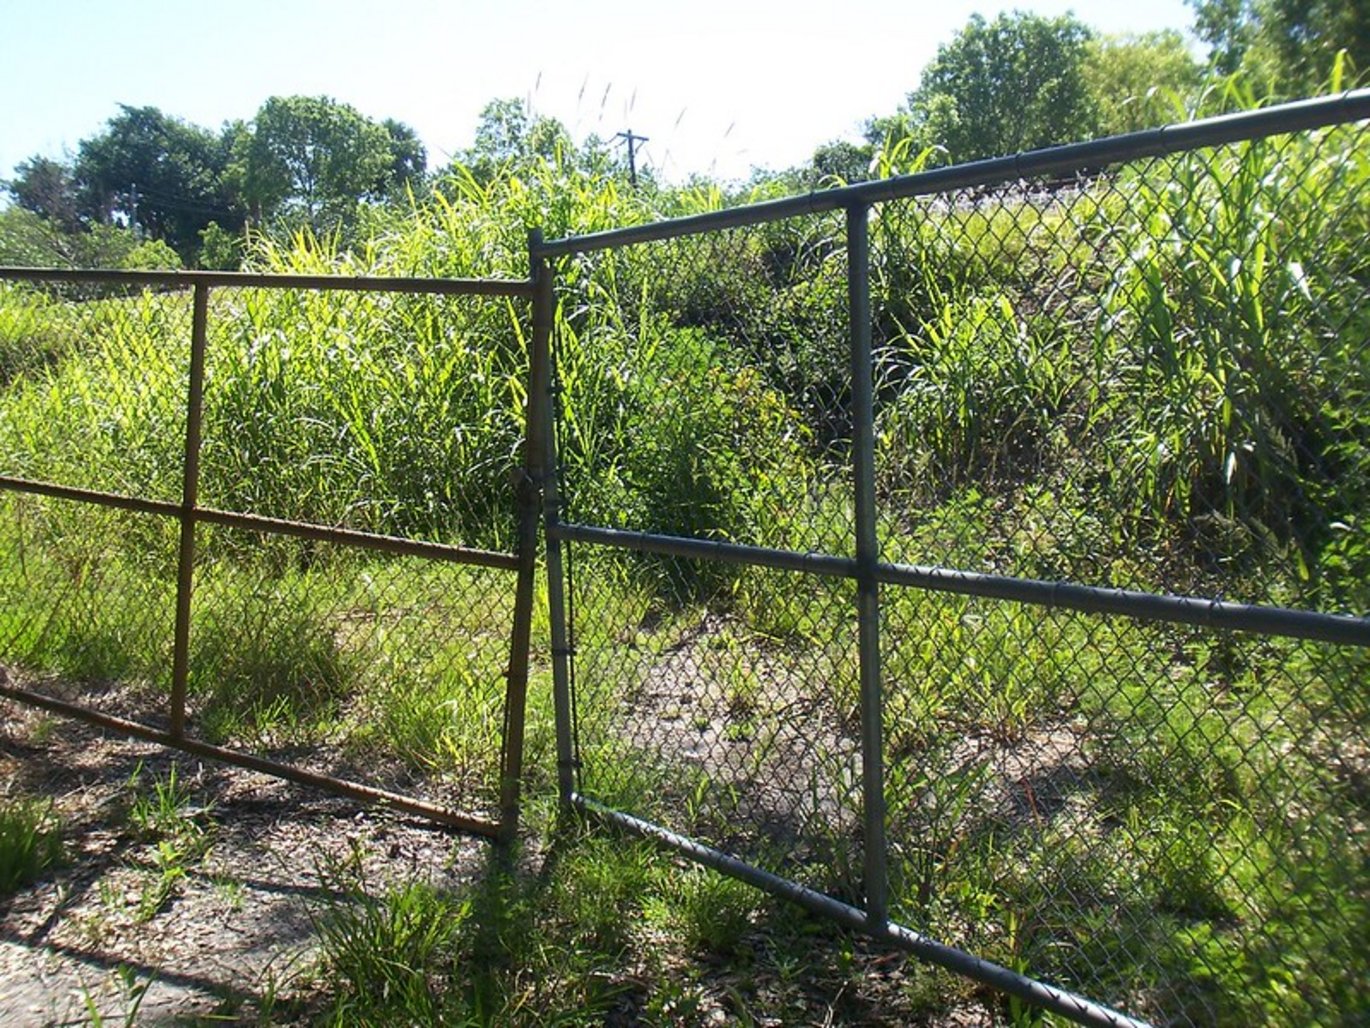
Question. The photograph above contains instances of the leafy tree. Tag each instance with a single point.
(220, 249)
(1291, 43)
(157, 174)
(313, 159)
(842, 161)
(30, 239)
(509, 134)
(408, 158)
(1015, 83)
(47, 188)
(1142, 81)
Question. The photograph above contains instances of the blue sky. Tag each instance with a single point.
(718, 87)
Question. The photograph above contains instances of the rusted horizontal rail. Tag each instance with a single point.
(396, 545)
(100, 499)
(1188, 610)
(315, 779)
(1060, 1001)
(244, 279)
(1076, 158)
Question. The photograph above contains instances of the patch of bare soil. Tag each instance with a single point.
(232, 937)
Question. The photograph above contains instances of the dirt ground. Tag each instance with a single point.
(231, 942)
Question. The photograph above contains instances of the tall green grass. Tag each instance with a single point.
(1155, 379)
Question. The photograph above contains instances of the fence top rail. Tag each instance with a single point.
(1071, 159)
(244, 279)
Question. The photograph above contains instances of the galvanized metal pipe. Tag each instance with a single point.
(704, 549)
(1058, 1001)
(867, 557)
(544, 313)
(1076, 158)
(536, 419)
(251, 280)
(1144, 606)
(190, 484)
(314, 779)
(1186, 610)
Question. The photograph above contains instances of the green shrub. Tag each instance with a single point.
(30, 841)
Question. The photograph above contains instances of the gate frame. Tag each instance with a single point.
(189, 513)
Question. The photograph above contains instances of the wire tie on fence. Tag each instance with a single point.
(563, 651)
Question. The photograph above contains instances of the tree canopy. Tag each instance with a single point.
(1017, 82)
(1014, 83)
(1139, 82)
(314, 159)
(1289, 43)
(508, 133)
(157, 174)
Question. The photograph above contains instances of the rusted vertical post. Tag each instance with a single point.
(535, 430)
(190, 484)
(867, 557)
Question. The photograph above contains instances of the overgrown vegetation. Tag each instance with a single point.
(1153, 378)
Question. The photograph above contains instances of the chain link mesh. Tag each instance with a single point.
(94, 384)
(383, 669)
(84, 618)
(389, 413)
(702, 385)
(1150, 377)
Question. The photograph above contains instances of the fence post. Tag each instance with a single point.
(563, 702)
(867, 557)
(536, 422)
(190, 485)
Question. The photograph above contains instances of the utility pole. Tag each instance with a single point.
(133, 212)
(632, 142)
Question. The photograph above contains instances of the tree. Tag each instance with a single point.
(509, 134)
(30, 239)
(313, 158)
(1139, 82)
(842, 161)
(47, 188)
(408, 158)
(1290, 43)
(1016, 83)
(156, 174)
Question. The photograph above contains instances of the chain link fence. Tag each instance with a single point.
(275, 519)
(1109, 406)
(978, 558)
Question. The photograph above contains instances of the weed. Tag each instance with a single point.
(132, 992)
(170, 825)
(30, 840)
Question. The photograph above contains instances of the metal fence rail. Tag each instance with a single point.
(988, 559)
(249, 533)
(977, 558)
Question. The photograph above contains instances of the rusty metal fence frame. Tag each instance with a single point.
(189, 513)
(866, 569)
